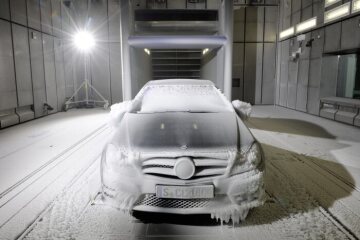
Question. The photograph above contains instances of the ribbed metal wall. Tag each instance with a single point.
(302, 82)
(176, 63)
(254, 51)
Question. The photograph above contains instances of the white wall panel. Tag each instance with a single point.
(5, 9)
(269, 69)
(313, 101)
(115, 73)
(46, 24)
(22, 65)
(56, 17)
(114, 20)
(317, 45)
(238, 70)
(49, 67)
(292, 77)
(100, 70)
(60, 74)
(270, 28)
(332, 38)
(302, 85)
(284, 72)
(253, 72)
(37, 72)
(329, 75)
(239, 25)
(98, 12)
(33, 10)
(8, 98)
(350, 33)
(179, 4)
(18, 11)
(254, 24)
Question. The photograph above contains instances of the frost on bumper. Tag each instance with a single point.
(244, 192)
(121, 178)
(124, 184)
(244, 183)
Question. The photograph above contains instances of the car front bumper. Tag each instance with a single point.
(233, 193)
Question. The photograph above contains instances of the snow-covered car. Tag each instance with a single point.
(181, 147)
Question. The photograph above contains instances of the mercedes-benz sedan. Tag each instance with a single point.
(181, 147)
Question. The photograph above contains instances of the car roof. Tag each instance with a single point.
(180, 82)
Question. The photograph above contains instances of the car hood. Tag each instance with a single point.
(179, 132)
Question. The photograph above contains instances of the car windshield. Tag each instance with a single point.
(183, 98)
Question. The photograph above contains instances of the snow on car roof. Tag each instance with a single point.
(181, 95)
(180, 82)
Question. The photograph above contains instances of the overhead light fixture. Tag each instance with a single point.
(206, 50)
(84, 41)
(306, 25)
(356, 6)
(337, 12)
(330, 2)
(147, 51)
(287, 33)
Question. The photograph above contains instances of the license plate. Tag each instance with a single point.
(185, 192)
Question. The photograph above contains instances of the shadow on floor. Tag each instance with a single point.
(157, 218)
(291, 126)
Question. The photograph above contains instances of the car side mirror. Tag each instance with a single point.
(118, 111)
(243, 109)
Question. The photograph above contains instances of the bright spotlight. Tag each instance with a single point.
(205, 51)
(84, 41)
(147, 51)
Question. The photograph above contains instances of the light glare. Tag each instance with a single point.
(147, 51)
(330, 2)
(205, 51)
(308, 24)
(286, 33)
(84, 41)
(356, 6)
(337, 13)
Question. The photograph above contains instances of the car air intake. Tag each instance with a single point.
(152, 201)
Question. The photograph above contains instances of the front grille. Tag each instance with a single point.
(152, 201)
(205, 167)
(157, 166)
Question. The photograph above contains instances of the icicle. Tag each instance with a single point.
(234, 213)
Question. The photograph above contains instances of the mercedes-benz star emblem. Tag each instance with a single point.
(184, 168)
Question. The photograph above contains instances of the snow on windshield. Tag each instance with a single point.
(183, 98)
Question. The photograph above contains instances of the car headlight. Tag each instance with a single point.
(115, 158)
(248, 161)
(120, 178)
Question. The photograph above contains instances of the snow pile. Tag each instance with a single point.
(242, 108)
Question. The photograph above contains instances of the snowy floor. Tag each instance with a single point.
(39, 159)
(312, 183)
